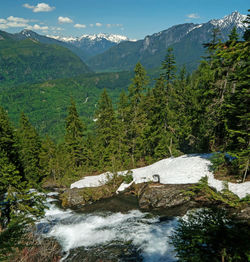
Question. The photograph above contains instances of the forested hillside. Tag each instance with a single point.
(28, 61)
(46, 103)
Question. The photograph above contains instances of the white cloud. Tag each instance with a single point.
(28, 6)
(12, 21)
(193, 16)
(57, 28)
(17, 19)
(98, 24)
(16, 24)
(3, 21)
(114, 25)
(80, 26)
(38, 27)
(63, 20)
(41, 7)
(91, 25)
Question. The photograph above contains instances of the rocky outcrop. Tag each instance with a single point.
(78, 197)
(168, 198)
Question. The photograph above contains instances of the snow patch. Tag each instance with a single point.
(186, 169)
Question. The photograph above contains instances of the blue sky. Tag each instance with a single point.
(133, 18)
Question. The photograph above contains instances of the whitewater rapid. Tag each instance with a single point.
(72, 230)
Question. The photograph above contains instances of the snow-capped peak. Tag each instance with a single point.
(95, 37)
(63, 38)
(27, 32)
(235, 18)
(110, 37)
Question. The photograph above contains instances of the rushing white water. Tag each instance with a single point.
(74, 230)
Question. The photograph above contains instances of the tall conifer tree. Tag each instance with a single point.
(29, 148)
(74, 137)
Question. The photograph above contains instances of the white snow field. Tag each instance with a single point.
(185, 169)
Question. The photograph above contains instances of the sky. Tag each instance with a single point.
(132, 18)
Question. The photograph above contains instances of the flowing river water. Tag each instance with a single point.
(114, 236)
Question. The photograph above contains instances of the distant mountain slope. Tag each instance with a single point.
(186, 39)
(28, 34)
(95, 44)
(32, 61)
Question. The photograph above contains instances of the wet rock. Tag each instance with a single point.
(112, 252)
(170, 198)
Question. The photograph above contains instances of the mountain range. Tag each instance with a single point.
(107, 52)
(95, 44)
(186, 39)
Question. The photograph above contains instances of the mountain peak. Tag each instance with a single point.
(235, 19)
(110, 37)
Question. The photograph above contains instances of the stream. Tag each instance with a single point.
(108, 235)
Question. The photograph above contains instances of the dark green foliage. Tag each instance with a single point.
(19, 206)
(8, 143)
(29, 150)
(74, 135)
(211, 235)
(168, 66)
(234, 35)
(107, 130)
(128, 177)
(137, 114)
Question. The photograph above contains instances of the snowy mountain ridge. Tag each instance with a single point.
(95, 37)
(235, 18)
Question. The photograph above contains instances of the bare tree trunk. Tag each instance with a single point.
(245, 173)
(170, 147)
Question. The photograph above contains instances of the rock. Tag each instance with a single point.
(78, 197)
(244, 215)
(111, 252)
(170, 198)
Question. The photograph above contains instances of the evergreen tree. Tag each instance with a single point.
(137, 114)
(8, 143)
(123, 114)
(29, 148)
(47, 158)
(233, 35)
(168, 67)
(74, 137)
(211, 235)
(19, 207)
(106, 129)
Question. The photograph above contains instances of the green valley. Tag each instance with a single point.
(46, 103)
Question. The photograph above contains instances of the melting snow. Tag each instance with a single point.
(185, 169)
